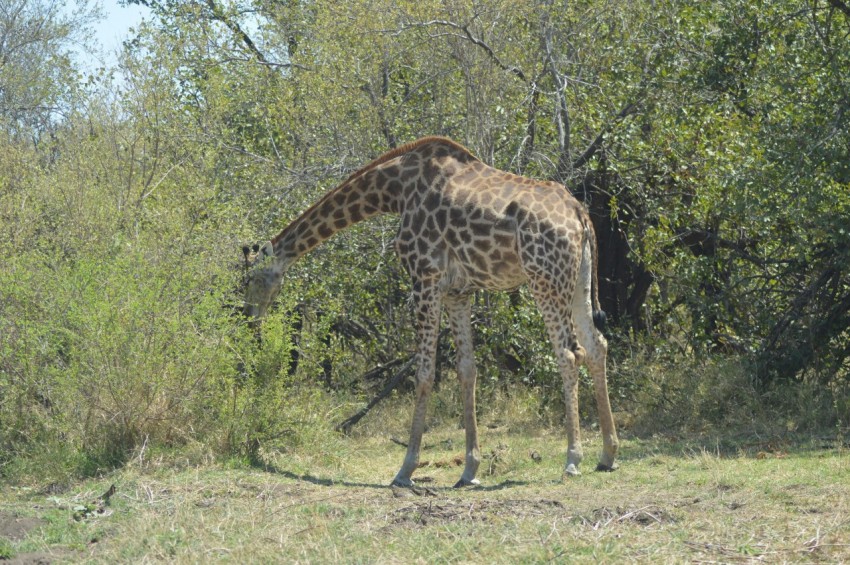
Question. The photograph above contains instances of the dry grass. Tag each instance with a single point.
(671, 501)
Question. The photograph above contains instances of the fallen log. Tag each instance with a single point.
(346, 425)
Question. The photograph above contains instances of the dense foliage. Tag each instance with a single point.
(711, 141)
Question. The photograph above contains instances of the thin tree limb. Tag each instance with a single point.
(840, 6)
(218, 15)
(562, 110)
(467, 34)
(594, 146)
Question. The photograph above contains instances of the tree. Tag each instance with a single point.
(37, 73)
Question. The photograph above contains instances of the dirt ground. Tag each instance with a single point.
(16, 528)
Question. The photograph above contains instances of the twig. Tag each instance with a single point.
(144, 196)
(142, 451)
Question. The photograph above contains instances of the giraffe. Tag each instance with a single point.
(466, 226)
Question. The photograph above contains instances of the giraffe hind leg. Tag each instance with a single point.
(587, 324)
(557, 315)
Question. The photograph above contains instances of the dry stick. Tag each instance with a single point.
(346, 425)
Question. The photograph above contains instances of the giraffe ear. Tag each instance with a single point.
(268, 249)
(257, 253)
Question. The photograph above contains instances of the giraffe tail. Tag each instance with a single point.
(600, 319)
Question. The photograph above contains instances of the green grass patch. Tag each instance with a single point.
(673, 499)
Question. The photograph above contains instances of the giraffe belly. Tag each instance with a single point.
(481, 253)
(500, 276)
(468, 271)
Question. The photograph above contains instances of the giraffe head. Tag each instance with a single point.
(262, 280)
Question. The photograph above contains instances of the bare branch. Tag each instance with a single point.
(562, 111)
(265, 63)
(350, 422)
(219, 16)
(840, 6)
(591, 150)
(627, 110)
(467, 34)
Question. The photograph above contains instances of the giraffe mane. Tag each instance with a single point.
(401, 150)
(389, 155)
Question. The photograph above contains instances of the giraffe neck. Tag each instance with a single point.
(362, 196)
(380, 187)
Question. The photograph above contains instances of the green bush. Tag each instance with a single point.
(107, 352)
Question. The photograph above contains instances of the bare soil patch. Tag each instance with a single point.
(434, 512)
(16, 528)
(38, 558)
(644, 516)
(438, 512)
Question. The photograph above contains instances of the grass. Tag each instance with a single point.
(673, 499)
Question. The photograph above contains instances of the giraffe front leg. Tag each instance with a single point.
(467, 373)
(424, 384)
(428, 317)
(460, 314)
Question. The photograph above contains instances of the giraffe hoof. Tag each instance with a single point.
(571, 471)
(607, 468)
(467, 483)
(402, 483)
